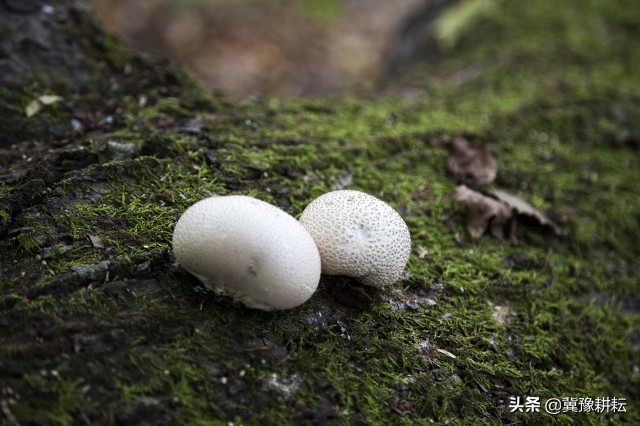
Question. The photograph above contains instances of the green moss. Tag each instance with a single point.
(103, 47)
(68, 402)
(323, 12)
(31, 237)
(4, 217)
(14, 101)
(45, 304)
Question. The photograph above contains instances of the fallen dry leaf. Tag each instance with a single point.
(447, 353)
(497, 210)
(523, 208)
(420, 251)
(33, 108)
(96, 241)
(469, 158)
(49, 99)
(481, 211)
(36, 105)
(500, 313)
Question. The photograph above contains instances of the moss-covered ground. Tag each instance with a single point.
(98, 324)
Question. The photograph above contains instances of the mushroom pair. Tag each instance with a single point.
(263, 257)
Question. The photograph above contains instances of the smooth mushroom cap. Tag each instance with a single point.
(358, 235)
(249, 250)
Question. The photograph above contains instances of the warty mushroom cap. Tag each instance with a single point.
(249, 250)
(358, 235)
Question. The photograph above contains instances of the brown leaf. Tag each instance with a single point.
(523, 208)
(482, 210)
(49, 99)
(36, 105)
(96, 241)
(420, 251)
(469, 158)
(33, 108)
(495, 210)
(500, 313)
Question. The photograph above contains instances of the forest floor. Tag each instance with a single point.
(99, 325)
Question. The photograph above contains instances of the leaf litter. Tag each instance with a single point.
(36, 105)
(483, 212)
(497, 211)
(491, 210)
(523, 208)
(469, 159)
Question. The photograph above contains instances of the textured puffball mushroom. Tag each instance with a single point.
(359, 236)
(249, 250)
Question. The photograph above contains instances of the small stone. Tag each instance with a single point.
(299, 404)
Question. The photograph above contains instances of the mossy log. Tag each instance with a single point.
(99, 325)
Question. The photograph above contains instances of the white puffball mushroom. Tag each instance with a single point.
(358, 235)
(249, 250)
